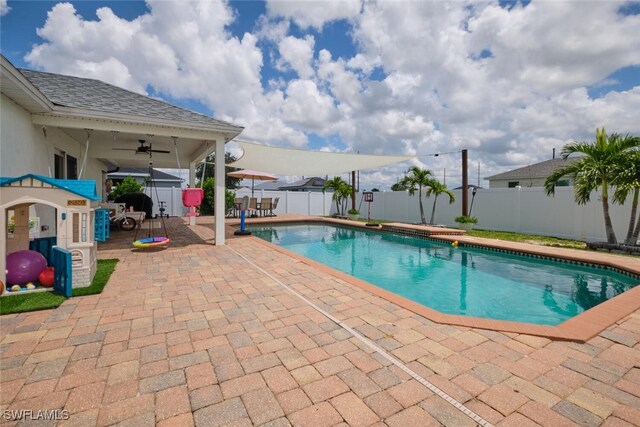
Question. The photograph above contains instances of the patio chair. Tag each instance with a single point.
(265, 206)
(237, 203)
(274, 206)
(253, 206)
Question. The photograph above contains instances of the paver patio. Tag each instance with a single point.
(196, 335)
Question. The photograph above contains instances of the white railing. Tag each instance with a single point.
(524, 210)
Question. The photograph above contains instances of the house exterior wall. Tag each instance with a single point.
(22, 146)
(528, 182)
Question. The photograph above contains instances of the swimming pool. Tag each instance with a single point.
(463, 281)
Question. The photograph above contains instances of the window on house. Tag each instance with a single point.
(58, 161)
(65, 166)
(563, 183)
(513, 184)
(72, 167)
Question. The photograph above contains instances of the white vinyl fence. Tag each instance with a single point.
(296, 202)
(524, 210)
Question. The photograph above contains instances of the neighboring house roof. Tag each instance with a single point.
(536, 170)
(314, 182)
(269, 185)
(157, 174)
(469, 186)
(81, 187)
(91, 94)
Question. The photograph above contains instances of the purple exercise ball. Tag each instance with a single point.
(24, 266)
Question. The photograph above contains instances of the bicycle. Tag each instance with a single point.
(122, 221)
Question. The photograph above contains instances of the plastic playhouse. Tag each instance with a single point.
(50, 230)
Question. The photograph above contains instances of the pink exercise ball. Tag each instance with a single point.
(24, 266)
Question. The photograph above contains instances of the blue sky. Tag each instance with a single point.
(509, 81)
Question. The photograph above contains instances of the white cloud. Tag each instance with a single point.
(305, 105)
(297, 54)
(417, 83)
(4, 8)
(313, 13)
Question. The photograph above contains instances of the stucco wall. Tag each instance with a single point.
(22, 146)
(23, 150)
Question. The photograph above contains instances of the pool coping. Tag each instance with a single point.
(579, 328)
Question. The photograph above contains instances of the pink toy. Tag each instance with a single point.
(191, 198)
(24, 266)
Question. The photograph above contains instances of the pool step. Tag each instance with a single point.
(421, 230)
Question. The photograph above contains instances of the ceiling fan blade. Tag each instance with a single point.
(124, 149)
(160, 151)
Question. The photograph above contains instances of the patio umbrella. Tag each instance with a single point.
(246, 174)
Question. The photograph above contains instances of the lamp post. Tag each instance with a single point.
(473, 196)
(465, 183)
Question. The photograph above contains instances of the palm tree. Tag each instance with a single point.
(339, 187)
(344, 190)
(627, 181)
(417, 179)
(437, 188)
(593, 171)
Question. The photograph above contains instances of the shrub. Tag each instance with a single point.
(208, 204)
(128, 185)
(463, 219)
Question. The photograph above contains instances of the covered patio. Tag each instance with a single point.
(204, 335)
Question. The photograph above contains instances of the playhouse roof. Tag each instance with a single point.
(82, 187)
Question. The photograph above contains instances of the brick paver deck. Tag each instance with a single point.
(197, 335)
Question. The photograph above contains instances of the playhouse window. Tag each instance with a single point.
(76, 227)
(84, 227)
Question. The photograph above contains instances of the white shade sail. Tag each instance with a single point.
(289, 161)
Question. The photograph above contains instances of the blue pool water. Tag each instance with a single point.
(463, 281)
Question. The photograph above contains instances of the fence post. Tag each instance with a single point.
(286, 201)
(308, 202)
(517, 210)
(324, 208)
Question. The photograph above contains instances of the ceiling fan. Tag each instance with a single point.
(143, 149)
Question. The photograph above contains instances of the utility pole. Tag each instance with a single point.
(465, 183)
(353, 190)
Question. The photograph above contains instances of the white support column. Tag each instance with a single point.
(220, 192)
(192, 174)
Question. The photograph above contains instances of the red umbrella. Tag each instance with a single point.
(246, 174)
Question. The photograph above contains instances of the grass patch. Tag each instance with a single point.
(33, 301)
(103, 272)
(528, 238)
(30, 302)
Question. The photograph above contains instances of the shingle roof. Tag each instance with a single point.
(95, 95)
(536, 170)
(157, 174)
(269, 185)
(314, 182)
(82, 187)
